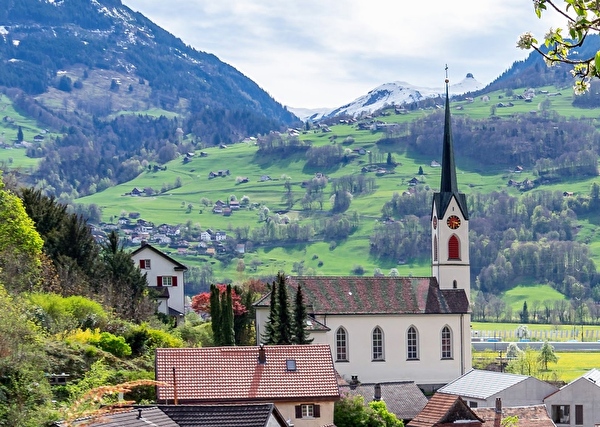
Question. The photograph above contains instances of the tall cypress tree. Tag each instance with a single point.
(271, 333)
(215, 315)
(285, 319)
(300, 335)
(227, 332)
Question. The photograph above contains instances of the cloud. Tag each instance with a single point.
(315, 53)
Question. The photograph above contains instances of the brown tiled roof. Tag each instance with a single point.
(404, 399)
(529, 416)
(376, 295)
(445, 409)
(230, 374)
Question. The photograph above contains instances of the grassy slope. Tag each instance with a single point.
(242, 160)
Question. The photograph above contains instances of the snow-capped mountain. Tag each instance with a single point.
(395, 93)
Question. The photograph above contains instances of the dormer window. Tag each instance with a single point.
(290, 364)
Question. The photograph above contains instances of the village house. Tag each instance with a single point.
(577, 403)
(164, 275)
(446, 410)
(480, 388)
(526, 416)
(299, 379)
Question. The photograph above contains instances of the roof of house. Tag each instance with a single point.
(480, 384)
(529, 416)
(247, 415)
(404, 399)
(146, 246)
(375, 295)
(234, 374)
(445, 409)
(140, 417)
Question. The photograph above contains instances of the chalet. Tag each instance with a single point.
(137, 192)
(264, 178)
(164, 275)
(518, 169)
(480, 388)
(234, 204)
(414, 181)
(299, 379)
(38, 138)
(240, 248)
(360, 151)
(220, 235)
(243, 180)
(578, 402)
(207, 235)
(227, 211)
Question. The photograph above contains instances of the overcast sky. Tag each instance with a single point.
(326, 53)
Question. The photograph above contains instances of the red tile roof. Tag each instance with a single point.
(445, 409)
(529, 416)
(375, 295)
(229, 374)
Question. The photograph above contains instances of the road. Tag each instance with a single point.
(558, 346)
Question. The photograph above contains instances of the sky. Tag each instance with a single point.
(326, 53)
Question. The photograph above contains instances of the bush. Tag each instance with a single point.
(113, 344)
(358, 269)
(143, 339)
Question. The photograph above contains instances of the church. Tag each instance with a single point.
(383, 329)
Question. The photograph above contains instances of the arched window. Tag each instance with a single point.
(453, 248)
(412, 344)
(435, 248)
(446, 343)
(377, 344)
(341, 345)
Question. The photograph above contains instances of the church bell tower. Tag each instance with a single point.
(450, 222)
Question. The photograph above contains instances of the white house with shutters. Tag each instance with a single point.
(164, 275)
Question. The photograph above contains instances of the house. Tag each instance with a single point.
(414, 181)
(130, 417)
(234, 204)
(299, 379)
(164, 275)
(567, 194)
(137, 192)
(220, 235)
(206, 235)
(264, 178)
(480, 388)
(240, 248)
(404, 398)
(577, 403)
(446, 410)
(400, 328)
(435, 164)
(527, 416)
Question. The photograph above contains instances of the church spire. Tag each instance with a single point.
(448, 183)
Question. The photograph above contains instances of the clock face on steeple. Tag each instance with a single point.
(453, 222)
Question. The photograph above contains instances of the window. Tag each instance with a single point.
(308, 411)
(412, 344)
(166, 281)
(377, 344)
(144, 264)
(453, 248)
(435, 248)
(446, 343)
(472, 404)
(579, 415)
(561, 414)
(341, 345)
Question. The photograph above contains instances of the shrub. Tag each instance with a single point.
(113, 344)
(358, 269)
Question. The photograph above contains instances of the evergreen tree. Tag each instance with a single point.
(420, 170)
(285, 319)
(300, 334)
(20, 134)
(271, 334)
(390, 160)
(227, 332)
(525, 313)
(215, 315)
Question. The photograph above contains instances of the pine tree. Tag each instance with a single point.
(215, 315)
(271, 334)
(300, 335)
(20, 134)
(525, 313)
(285, 319)
(227, 332)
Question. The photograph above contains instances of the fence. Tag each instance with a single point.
(547, 335)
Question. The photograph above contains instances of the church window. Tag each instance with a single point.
(412, 344)
(446, 343)
(453, 248)
(435, 248)
(377, 344)
(341, 345)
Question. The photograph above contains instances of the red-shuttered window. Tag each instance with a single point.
(144, 264)
(453, 248)
(166, 281)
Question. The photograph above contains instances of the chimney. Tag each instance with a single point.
(498, 411)
(143, 243)
(377, 396)
(139, 414)
(262, 357)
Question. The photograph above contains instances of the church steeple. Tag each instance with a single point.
(450, 220)
(448, 184)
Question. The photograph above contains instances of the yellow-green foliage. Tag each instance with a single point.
(144, 339)
(86, 336)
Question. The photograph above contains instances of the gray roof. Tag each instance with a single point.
(404, 399)
(480, 384)
(593, 375)
(244, 415)
(142, 417)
